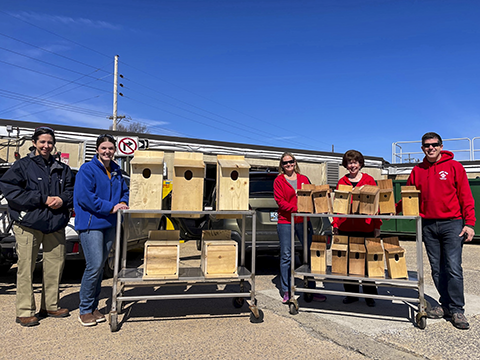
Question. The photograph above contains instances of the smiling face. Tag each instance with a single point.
(105, 152)
(353, 168)
(432, 149)
(44, 145)
(288, 164)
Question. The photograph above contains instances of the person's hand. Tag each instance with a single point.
(376, 233)
(54, 202)
(469, 232)
(120, 206)
(335, 231)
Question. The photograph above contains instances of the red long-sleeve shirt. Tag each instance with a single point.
(444, 189)
(366, 225)
(286, 197)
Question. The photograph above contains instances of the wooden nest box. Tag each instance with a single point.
(162, 254)
(410, 200)
(375, 258)
(219, 254)
(356, 256)
(356, 199)
(318, 254)
(387, 199)
(340, 254)
(188, 175)
(395, 256)
(146, 180)
(321, 199)
(232, 182)
(369, 196)
(304, 199)
(341, 203)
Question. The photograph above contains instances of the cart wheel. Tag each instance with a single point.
(255, 320)
(308, 297)
(238, 302)
(421, 321)
(113, 322)
(293, 308)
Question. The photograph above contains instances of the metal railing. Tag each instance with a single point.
(401, 150)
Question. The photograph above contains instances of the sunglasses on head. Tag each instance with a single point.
(288, 162)
(108, 136)
(44, 128)
(437, 144)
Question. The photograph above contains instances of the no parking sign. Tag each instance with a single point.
(126, 146)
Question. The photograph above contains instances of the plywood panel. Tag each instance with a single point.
(146, 180)
(187, 187)
(219, 258)
(232, 183)
(161, 260)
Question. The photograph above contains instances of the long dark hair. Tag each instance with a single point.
(106, 137)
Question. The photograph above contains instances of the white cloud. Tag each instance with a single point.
(98, 24)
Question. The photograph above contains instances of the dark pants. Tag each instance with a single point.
(444, 250)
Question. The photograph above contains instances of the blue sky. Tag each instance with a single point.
(358, 74)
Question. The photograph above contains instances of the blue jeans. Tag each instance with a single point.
(96, 245)
(444, 249)
(284, 236)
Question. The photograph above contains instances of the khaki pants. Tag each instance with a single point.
(27, 244)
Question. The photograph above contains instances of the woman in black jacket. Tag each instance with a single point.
(39, 191)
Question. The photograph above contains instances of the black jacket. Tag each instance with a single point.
(26, 186)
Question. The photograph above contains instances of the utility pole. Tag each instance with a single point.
(115, 87)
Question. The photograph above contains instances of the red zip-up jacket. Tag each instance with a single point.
(366, 225)
(444, 189)
(286, 197)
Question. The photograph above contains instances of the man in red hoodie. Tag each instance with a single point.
(448, 218)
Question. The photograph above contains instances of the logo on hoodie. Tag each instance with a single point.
(443, 175)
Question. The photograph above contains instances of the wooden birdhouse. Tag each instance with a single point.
(395, 256)
(356, 199)
(232, 182)
(341, 203)
(356, 256)
(304, 199)
(162, 254)
(387, 199)
(340, 254)
(410, 196)
(188, 175)
(321, 199)
(318, 254)
(219, 254)
(375, 258)
(146, 180)
(369, 196)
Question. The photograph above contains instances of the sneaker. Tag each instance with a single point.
(87, 319)
(319, 297)
(286, 297)
(436, 312)
(99, 316)
(349, 299)
(460, 321)
(370, 302)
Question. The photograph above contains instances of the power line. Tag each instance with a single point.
(50, 75)
(49, 51)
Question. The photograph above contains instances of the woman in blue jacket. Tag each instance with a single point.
(100, 191)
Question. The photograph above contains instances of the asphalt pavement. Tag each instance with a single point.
(214, 329)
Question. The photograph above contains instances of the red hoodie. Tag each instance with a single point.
(366, 225)
(444, 189)
(286, 197)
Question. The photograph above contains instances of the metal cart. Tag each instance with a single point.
(133, 277)
(305, 271)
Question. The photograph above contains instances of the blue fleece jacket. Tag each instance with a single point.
(95, 195)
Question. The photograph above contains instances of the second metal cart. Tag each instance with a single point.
(133, 277)
(305, 271)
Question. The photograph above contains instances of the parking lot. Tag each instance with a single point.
(213, 328)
